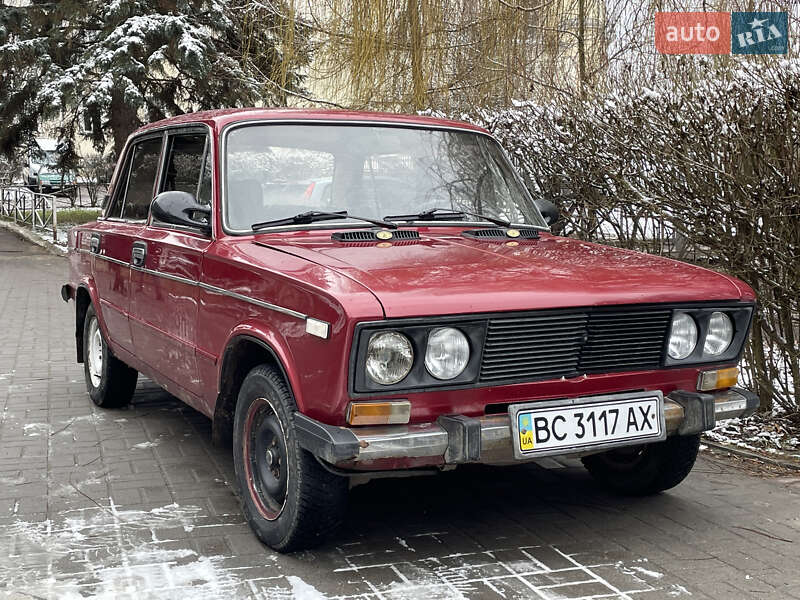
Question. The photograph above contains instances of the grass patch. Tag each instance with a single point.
(77, 216)
(66, 216)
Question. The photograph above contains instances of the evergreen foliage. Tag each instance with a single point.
(107, 67)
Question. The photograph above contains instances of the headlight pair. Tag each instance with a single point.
(390, 355)
(717, 329)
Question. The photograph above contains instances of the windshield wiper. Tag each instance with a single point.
(444, 214)
(319, 215)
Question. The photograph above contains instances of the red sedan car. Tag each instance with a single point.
(416, 314)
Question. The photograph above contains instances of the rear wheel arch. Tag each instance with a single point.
(242, 354)
(110, 382)
(83, 300)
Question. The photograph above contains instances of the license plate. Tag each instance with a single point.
(561, 426)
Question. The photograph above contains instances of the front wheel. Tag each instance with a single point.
(109, 381)
(289, 499)
(645, 470)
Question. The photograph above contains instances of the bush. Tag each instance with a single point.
(95, 172)
(707, 172)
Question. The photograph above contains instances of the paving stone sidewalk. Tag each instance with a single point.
(137, 503)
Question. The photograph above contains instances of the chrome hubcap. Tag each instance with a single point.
(95, 342)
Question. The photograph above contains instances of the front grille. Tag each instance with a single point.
(624, 340)
(550, 346)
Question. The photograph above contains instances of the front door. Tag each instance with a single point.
(111, 240)
(164, 279)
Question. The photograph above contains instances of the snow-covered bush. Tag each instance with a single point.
(706, 170)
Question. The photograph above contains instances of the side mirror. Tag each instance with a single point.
(549, 211)
(180, 208)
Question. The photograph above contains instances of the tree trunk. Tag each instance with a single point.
(582, 48)
(123, 121)
(417, 79)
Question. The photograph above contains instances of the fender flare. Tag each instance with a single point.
(88, 286)
(280, 360)
(268, 338)
(94, 300)
(222, 420)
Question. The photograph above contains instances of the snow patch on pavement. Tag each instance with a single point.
(145, 445)
(35, 429)
(302, 590)
(404, 544)
(534, 571)
(678, 590)
(648, 573)
(109, 553)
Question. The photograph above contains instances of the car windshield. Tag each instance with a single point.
(278, 171)
(47, 159)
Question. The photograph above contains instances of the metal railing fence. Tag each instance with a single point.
(28, 208)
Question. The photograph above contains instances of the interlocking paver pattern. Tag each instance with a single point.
(138, 503)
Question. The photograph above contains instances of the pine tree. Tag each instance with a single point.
(121, 63)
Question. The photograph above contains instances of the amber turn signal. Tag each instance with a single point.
(396, 412)
(717, 380)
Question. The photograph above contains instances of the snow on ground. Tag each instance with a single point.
(760, 433)
(776, 433)
(46, 235)
(110, 554)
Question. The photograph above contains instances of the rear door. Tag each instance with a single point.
(164, 282)
(111, 240)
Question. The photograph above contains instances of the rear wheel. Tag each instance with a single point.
(109, 381)
(644, 470)
(289, 499)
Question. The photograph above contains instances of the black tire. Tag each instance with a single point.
(112, 384)
(645, 470)
(290, 500)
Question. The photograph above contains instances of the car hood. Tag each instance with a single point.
(449, 274)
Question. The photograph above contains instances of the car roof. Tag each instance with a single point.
(218, 119)
(47, 144)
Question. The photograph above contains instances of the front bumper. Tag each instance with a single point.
(458, 439)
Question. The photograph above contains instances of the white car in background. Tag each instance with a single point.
(40, 172)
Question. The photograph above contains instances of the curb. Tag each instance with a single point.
(776, 462)
(26, 235)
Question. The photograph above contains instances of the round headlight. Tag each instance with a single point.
(389, 357)
(720, 334)
(447, 354)
(682, 336)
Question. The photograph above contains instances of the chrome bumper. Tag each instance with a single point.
(458, 439)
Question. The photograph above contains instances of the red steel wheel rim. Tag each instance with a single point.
(265, 459)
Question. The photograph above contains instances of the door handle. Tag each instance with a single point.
(94, 243)
(138, 254)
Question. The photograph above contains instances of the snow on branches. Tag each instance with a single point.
(125, 62)
(702, 169)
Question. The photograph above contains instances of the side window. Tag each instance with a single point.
(188, 167)
(113, 206)
(142, 178)
(204, 190)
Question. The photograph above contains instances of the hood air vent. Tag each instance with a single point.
(375, 235)
(498, 233)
